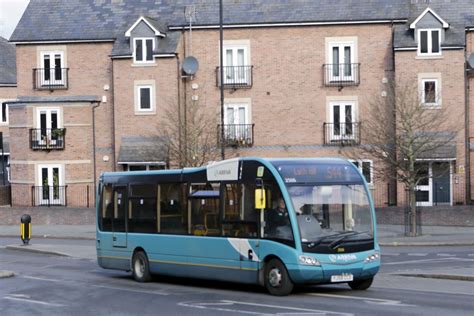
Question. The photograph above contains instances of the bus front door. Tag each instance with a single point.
(119, 235)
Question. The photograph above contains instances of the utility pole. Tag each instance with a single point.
(221, 68)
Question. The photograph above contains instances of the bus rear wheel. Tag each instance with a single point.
(277, 280)
(141, 267)
(361, 285)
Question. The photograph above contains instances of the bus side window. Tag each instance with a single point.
(240, 219)
(173, 212)
(107, 212)
(205, 215)
(142, 210)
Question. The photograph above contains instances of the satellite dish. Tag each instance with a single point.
(470, 61)
(190, 65)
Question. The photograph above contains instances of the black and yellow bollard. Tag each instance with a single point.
(25, 229)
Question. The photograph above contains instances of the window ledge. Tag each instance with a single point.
(429, 57)
(145, 113)
(153, 64)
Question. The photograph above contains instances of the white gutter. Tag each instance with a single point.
(201, 27)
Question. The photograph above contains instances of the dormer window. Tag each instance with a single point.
(429, 42)
(143, 49)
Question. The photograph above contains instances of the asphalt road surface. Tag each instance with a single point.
(52, 285)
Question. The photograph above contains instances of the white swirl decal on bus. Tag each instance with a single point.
(243, 246)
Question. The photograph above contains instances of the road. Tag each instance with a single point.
(52, 285)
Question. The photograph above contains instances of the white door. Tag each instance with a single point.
(424, 194)
(50, 189)
(47, 121)
(342, 119)
(52, 64)
(234, 65)
(341, 60)
(236, 118)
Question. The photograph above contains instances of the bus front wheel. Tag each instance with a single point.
(277, 280)
(361, 285)
(141, 267)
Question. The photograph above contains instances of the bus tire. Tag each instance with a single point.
(277, 279)
(361, 285)
(141, 267)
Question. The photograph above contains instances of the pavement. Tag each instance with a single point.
(43, 241)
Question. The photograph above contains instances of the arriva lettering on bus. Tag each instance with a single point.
(344, 257)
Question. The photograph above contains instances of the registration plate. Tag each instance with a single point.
(346, 277)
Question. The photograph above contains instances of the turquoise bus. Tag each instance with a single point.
(273, 222)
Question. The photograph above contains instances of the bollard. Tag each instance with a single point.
(25, 228)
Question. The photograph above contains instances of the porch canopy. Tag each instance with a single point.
(138, 150)
(436, 146)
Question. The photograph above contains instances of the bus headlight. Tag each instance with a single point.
(309, 261)
(373, 257)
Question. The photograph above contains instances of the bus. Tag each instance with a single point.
(273, 222)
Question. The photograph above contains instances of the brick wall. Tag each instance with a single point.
(430, 216)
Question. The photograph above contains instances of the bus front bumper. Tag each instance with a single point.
(305, 274)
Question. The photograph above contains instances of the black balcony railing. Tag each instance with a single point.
(341, 74)
(342, 134)
(236, 135)
(235, 77)
(50, 78)
(47, 138)
(54, 195)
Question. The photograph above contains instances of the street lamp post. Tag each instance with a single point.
(221, 68)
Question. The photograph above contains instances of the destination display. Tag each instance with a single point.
(320, 172)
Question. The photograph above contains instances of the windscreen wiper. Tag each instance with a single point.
(317, 242)
(344, 236)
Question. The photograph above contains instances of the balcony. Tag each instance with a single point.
(341, 134)
(235, 77)
(341, 75)
(47, 138)
(50, 78)
(49, 195)
(236, 135)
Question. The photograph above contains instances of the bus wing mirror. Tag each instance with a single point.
(260, 201)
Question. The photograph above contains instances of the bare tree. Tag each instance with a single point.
(401, 130)
(190, 133)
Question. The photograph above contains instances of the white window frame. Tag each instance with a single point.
(144, 60)
(342, 104)
(430, 42)
(52, 76)
(436, 92)
(229, 72)
(340, 45)
(235, 105)
(49, 111)
(39, 181)
(139, 85)
(359, 167)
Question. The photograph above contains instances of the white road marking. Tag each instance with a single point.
(418, 261)
(40, 279)
(470, 254)
(26, 299)
(417, 254)
(233, 306)
(370, 300)
(445, 255)
(131, 290)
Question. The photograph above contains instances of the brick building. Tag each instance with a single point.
(95, 79)
(7, 92)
